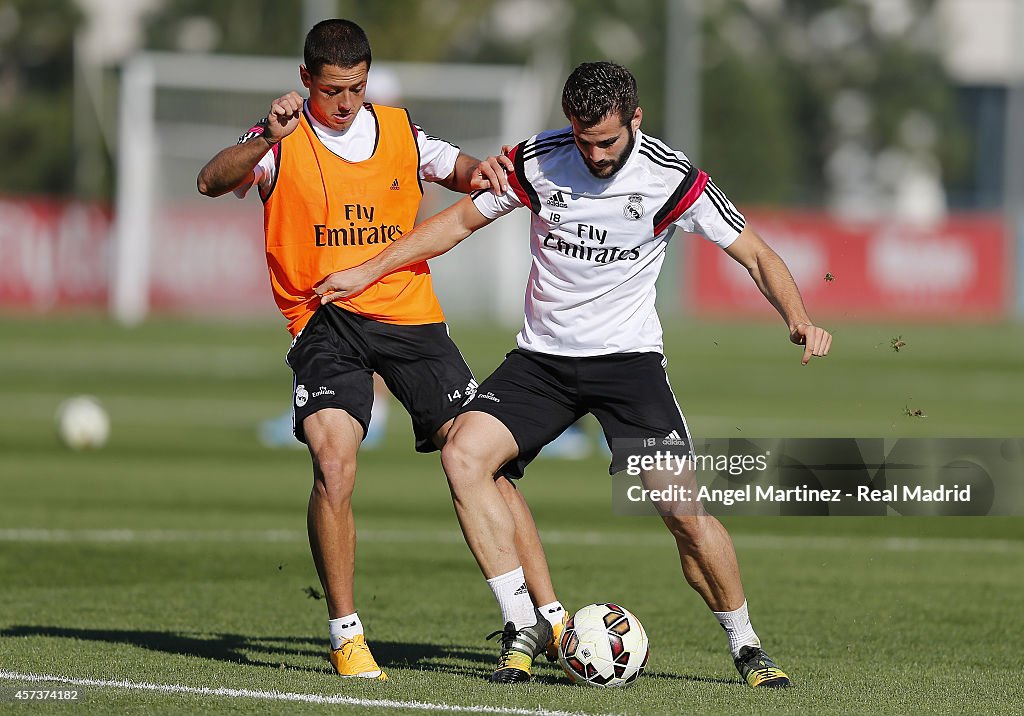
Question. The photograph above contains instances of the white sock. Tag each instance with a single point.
(737, 627)
(513, 598)
(344, 628)
(553, 612)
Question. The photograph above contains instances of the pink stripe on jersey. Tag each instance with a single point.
(688, 200)
(513, 178)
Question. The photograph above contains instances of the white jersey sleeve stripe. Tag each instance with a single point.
(677, 166)
(432, 138)
(546, 145)
(726, 217)
(728, 205)
(664, 152)
(725, 207)
(437, 157)
(548, 148)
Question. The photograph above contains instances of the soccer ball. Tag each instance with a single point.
(82, 423)
(603, 645)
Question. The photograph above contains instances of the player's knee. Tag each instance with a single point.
(455, 460)
(463, 462)
(688, 530)
(334, 477)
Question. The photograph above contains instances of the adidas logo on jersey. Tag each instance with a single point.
(557, 199)
(394, 185)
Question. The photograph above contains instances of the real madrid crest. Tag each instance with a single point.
(634, 209)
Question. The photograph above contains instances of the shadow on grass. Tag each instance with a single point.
(233, 648)
(273, 651)
(692, 679)
(295, 653)
(560, 679)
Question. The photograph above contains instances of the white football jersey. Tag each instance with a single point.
(598, 244)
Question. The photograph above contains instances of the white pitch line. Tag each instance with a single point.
(280, 695)
(571, 538)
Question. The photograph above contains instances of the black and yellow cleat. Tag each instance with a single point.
(759, 671)
(519, 647)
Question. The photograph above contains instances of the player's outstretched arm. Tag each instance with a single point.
(775, 281)
(433, 237)
(471, 174)
(234, 166)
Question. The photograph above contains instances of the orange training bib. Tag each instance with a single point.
(325, 214)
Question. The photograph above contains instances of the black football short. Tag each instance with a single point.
(336, 354)
(537, 396)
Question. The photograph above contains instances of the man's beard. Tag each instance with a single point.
(610, 167)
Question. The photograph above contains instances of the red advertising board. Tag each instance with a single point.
(210, 258)
(53, 254)
(957, 269)
(204, 260)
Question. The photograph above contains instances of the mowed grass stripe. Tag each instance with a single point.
(278, 695)
(569, 538)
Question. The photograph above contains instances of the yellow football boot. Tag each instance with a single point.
(354, 659)
(551, 652)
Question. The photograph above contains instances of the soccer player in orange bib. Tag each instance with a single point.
(340, 181)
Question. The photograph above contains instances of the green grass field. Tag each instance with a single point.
(176, 556)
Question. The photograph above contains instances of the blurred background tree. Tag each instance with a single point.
(802, 101)
(242, 27)
(36, 69)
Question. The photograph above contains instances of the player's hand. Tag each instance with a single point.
(491, 174)
(343, 284)
(283, 117)
(815, 340)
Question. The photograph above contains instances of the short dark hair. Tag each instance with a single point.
(596, 88)
(341, 43)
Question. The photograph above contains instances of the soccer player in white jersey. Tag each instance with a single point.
(604, 198)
